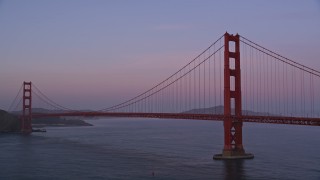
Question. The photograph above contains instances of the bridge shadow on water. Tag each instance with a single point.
(234, 169)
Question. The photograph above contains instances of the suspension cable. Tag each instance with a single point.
(112, 107)
(15, 99)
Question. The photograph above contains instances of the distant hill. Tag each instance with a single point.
(220, 110)
(8, 122)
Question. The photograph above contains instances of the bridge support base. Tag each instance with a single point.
(233, 155)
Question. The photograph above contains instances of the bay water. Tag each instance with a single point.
(137, 148)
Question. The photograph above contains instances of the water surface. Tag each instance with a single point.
(123, 148)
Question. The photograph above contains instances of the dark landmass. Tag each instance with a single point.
(40, 110)
(58, 122)
(9, 122)
(220, 110)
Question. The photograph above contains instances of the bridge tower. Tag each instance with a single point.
(26, 109)
(233, 148)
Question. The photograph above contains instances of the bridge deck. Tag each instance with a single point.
(212, 117)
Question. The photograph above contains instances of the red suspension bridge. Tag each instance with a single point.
(264, 88)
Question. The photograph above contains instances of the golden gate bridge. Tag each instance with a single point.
(234, 80)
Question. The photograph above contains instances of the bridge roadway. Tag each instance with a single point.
(212, 117)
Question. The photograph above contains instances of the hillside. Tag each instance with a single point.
(220, 110)
(58, 122)
(8, 122)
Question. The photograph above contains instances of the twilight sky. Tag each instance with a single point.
(92, 54)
